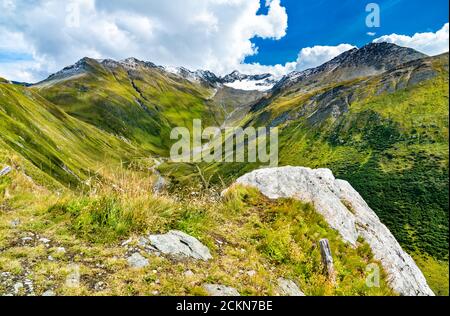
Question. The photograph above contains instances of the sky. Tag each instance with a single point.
(40, 37)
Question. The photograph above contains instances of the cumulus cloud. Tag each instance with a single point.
(208, 34)
(311, 57)
(428, 43)
(39, 37)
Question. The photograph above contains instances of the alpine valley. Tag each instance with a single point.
(90, 203)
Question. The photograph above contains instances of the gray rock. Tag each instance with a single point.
(49, 293)
(288, 288)
(126, 242)
(180, 245)
(220, 290)
(5, 171)
(100, 286)
(73, 279)
(44, 240)
(137, 261)
(18, 287)
(347, 212)
(14, 223)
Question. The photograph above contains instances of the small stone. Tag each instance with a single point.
(5, 171)
(50, 258)
(60, 250)
(18, 287)
(155, 293)
(100, 286)
(44, 240)
(26, 239)
(126, 242)
(137, 261)
(49, 293)
(220, 290)
(251, 273)
(189, 274)
(288, 288)
(14, 223)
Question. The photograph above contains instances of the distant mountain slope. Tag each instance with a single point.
(372, 59)
(133, 99)
(387, 134)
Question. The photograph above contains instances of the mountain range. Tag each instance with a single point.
(376, 116)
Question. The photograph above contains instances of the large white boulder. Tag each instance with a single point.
(347, 212)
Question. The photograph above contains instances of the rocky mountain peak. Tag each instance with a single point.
(261, 82)
(79, 67)
(369, 60)
(383, 56)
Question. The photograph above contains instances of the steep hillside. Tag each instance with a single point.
(78, 151)
(389, 137)
(56, 148)
(104, 242)
(372, 59)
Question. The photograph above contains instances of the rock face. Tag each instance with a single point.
(180, 245)
(220, 290)
(288, 288)
(137, 261)
(347, 212)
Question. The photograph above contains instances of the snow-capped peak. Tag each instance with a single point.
(260, 82)
(202, 76)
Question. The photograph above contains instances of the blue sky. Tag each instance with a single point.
(331, 22)
(40, 37)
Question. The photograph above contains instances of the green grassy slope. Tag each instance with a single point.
(253, 241)
(63, 150)
(393, 148)
(387, 135)
(141, 104)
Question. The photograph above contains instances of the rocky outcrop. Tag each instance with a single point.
(347, 212)
(180, 246)
(288, 288)
(220, 290)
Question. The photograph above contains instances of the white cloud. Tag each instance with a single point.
(201, 34)
(428, 43)
(23, 71)
(208, 34)
(311, 57)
